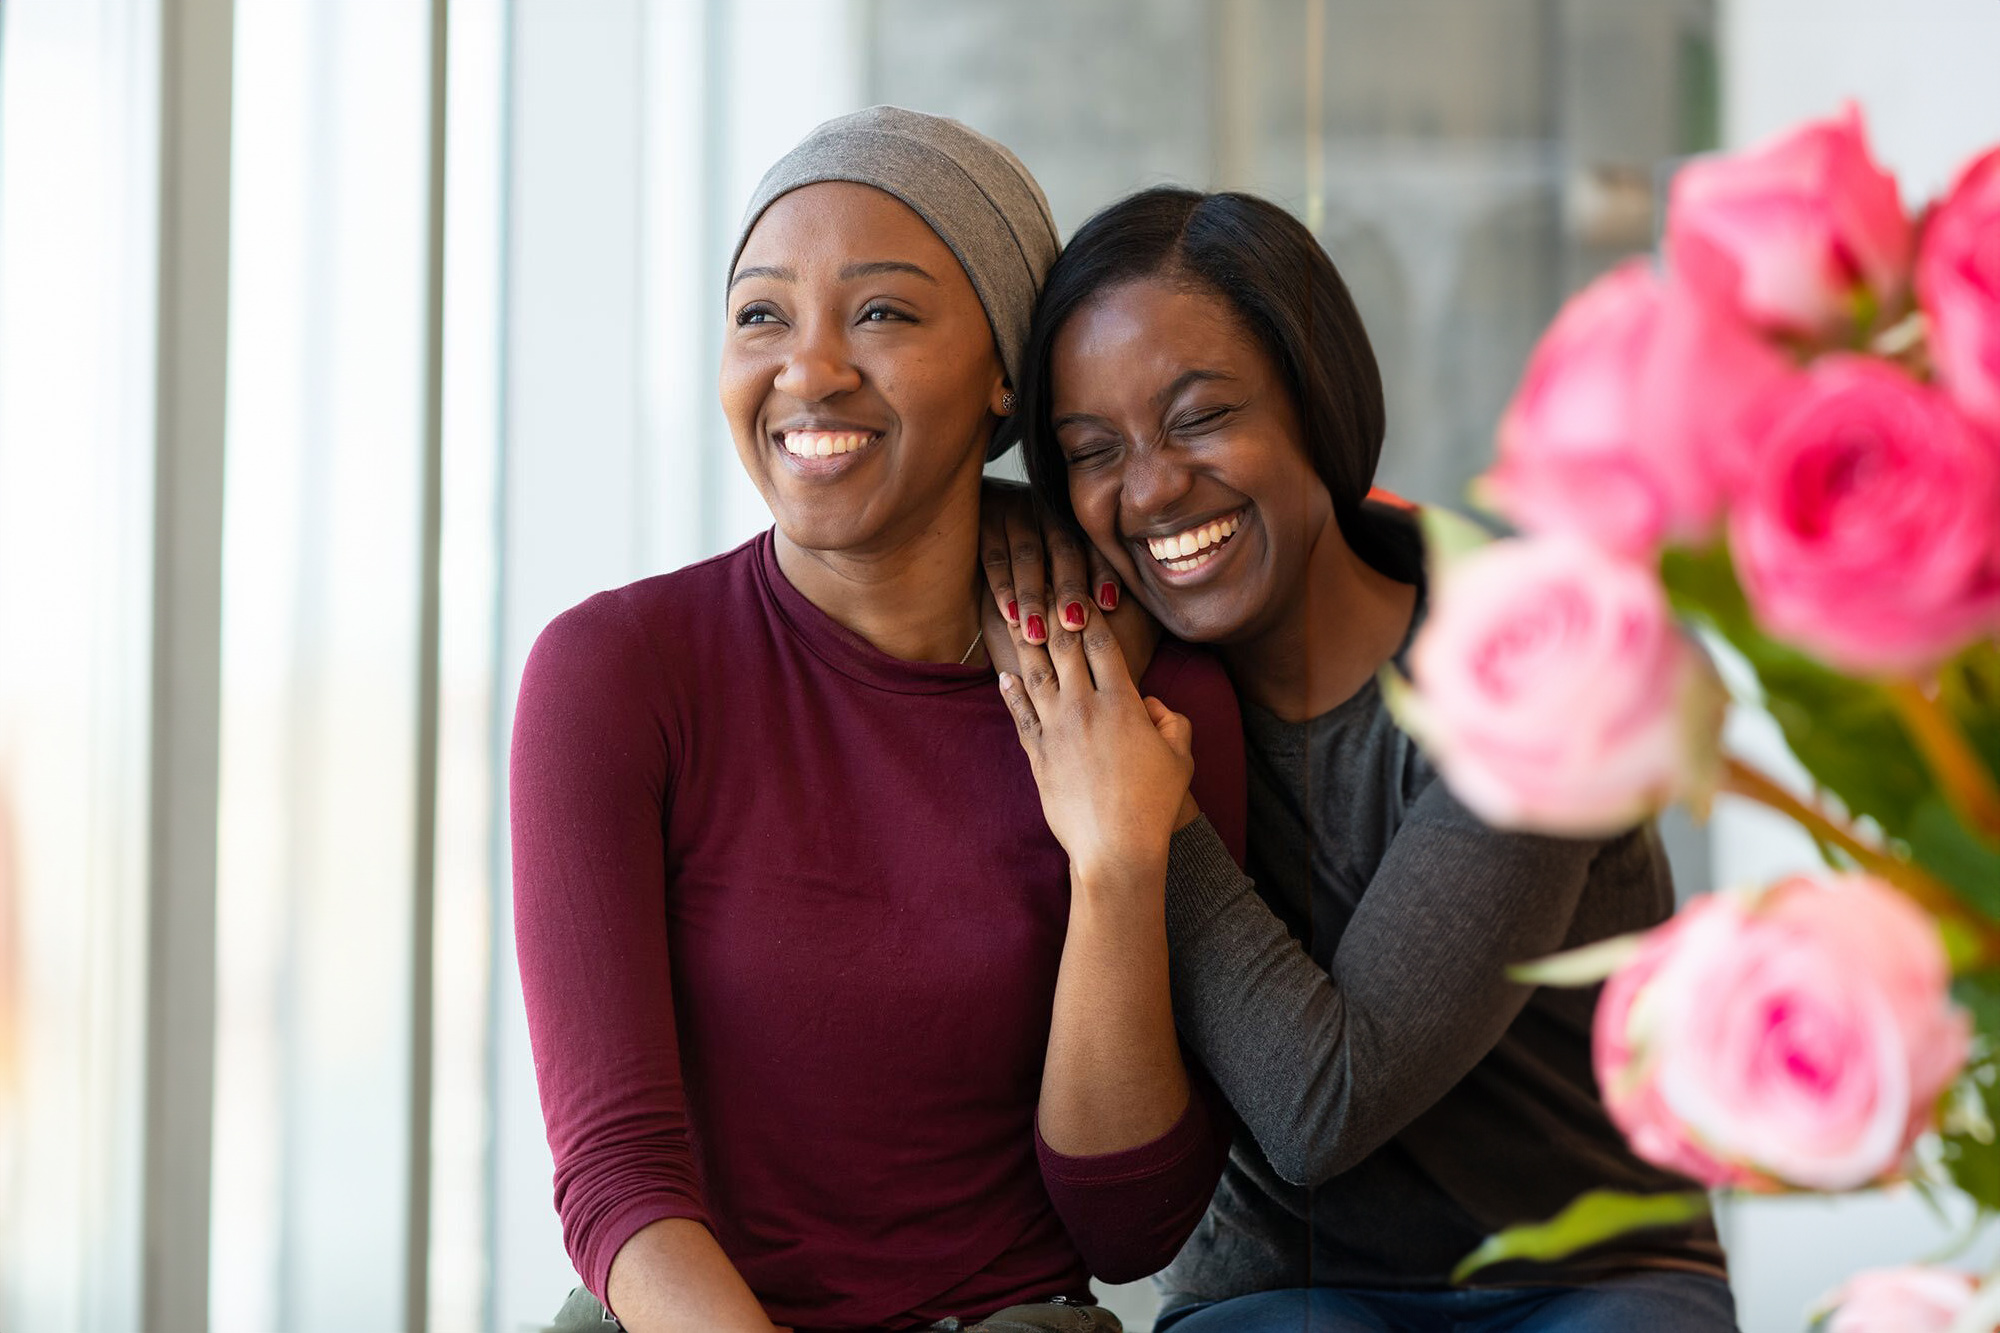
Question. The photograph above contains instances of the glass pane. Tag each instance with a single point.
(320, 639)
(78, 152)
(468, 787)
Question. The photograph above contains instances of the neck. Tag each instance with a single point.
(1344, 620)
(912, 596)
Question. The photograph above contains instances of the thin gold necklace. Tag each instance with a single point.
(972, 647)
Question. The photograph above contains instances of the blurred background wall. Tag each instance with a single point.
(454, 317)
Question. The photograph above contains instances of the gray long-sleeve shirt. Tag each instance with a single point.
(1400, 1097)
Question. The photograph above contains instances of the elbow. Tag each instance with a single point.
(1117, 1275)
(1297, 1164)
(1128, 1266)
(1311, 1160)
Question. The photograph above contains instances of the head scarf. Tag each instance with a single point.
(972, 192)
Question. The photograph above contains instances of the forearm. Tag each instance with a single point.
(1113, 1078)
(672, 1277)
(1322, 1066)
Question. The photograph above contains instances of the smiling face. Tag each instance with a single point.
(1186, 460)
(859, 373)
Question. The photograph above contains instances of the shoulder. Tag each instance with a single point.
(626, 631)
(1190, 680)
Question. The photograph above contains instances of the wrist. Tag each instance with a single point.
(1142, 874)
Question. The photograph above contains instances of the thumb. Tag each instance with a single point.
(1174, 729)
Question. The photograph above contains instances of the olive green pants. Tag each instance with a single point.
(582, 1313)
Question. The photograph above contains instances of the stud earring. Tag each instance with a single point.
(1007, 402)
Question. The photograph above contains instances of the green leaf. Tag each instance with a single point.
(1968, 1148)
(1590, 1218)
(1969, 687)
(1843, 730)
(1449, 537)
(1580, 967)
(1945, 847)
(1979, 992)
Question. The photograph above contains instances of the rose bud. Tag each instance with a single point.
(1798, 1037)
(1555, 692)
(1635, 418)
(1917, 1298)
(1958, 286)
(1799, 235)
(1869, 530)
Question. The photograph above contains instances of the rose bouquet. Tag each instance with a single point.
(1783, 438)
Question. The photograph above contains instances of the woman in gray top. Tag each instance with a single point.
(1202, 404)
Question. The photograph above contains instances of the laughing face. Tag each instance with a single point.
(1187, 466)
(859, 373)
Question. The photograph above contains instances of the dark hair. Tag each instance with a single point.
(1281, 284)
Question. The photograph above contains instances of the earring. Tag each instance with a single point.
(1007, 402)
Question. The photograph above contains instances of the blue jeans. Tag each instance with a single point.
(1660, 1301)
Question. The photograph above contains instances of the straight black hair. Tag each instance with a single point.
(1281, 284)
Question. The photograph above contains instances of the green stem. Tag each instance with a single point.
(1916, 883)
(1970, 790)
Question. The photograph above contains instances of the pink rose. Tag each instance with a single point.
(1797, 1037)
(1869, 530)
(1555, 692)
(1918, 1298)
(1958, 286)
(1797, 235)
(1635, 417)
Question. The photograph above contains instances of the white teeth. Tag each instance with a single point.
(1174, 552)
(822, 443)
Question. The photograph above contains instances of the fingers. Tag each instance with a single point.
(1174, 729)
(1069, 578)
(1026, 720)
(1109, 671)
(997, 560)
(1036, 670)
(1104, 584)
(1024, 550)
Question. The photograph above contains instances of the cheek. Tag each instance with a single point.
(742, 385)
(1095, 503)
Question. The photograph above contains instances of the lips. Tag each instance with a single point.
(1191, 548)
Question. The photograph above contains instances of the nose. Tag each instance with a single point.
(1156, 478)
(817, 366)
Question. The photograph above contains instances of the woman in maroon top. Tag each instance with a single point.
(831, 1031)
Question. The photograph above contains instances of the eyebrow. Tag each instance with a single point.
(1183, 380)
(1173, 390)
(877, 267)
(763, 271)
(870, 269)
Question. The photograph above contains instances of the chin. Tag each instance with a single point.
(1221, 610)
(1212, 616)
(824, 532)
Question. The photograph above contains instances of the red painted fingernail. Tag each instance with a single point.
(1073, 615)
(1107, 596)
(1037, 631)
(1013, 612)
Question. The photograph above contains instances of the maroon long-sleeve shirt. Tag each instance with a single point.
(789, 921)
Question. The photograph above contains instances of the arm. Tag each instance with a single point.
(1112, 770)
(672, 1276)
(1325, 1065)
(1126, 1149)
(590, 778)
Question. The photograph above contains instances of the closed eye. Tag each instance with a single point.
(1087, 455)
(1206, 417)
